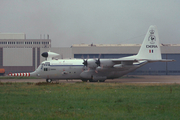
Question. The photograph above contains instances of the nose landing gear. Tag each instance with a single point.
(48, 80)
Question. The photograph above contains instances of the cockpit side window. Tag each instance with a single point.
(42, 65)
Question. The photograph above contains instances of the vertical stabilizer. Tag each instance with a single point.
(150, 48)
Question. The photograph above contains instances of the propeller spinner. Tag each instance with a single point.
(85, 63)
(98, 61)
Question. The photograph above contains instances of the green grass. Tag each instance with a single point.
(89, 101)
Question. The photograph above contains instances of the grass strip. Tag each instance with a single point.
(89, 101)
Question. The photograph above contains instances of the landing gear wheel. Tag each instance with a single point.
(101, 80)
(84, 80)
(48, 80)
(93, 80)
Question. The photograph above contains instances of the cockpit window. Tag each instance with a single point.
(47, 63)
(42, 65)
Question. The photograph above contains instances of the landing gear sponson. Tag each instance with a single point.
(94, 80)
(50, 80)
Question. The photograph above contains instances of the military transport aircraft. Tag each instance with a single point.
(99, 69)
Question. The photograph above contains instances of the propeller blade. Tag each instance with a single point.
(98, 61)
(99, 56)
(85, 62)
(102, 66)
(87, 57)
(82, 57)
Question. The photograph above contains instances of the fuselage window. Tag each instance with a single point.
(45, 69)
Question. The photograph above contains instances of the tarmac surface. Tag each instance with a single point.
(126, 79)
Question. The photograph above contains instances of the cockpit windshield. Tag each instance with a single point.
(42, 65)
(46, 64)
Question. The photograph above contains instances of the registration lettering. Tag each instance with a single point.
(151, 46)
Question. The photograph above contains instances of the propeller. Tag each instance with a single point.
(98, 62)
(85, 62)
(99, 65)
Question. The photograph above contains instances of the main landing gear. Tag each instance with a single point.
(84, 80)
(94, 80)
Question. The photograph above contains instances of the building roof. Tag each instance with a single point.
(115, 45)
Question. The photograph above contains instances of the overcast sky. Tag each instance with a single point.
(91, 21)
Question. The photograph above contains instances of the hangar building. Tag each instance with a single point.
(18, 54)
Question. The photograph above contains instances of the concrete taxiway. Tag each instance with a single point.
(126, 79)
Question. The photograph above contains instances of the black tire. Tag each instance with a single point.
(84, 80)
(93, 80)
(101, 80)
(48, 80)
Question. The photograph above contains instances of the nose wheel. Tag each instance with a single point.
(48, 80)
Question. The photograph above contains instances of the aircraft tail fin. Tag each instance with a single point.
(150, 48)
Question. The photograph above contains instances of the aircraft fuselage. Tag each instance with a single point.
(74, 69)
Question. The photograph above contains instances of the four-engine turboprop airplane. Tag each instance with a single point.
(99, 69)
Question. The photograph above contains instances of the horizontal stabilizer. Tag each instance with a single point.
(136, 60)
(162, 60)
(149, 51)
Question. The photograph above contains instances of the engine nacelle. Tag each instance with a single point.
(103, 63)
(99, 68)
(118, 66)
(91, 63)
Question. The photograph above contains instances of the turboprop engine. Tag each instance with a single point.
(91, 63)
